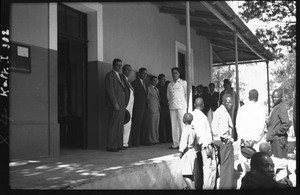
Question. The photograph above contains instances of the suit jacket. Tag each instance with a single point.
(140, 94)
(114, 89)
(127, 88)
(214, 100)
(279, 122)
(153, 100)
(163, 95)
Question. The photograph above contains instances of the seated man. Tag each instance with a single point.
(280, 164)
(261, 174)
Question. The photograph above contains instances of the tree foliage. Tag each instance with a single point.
(285, 74)
(281, 12)
(276, 37)
(225, 72)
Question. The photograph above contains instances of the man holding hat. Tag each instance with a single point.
(129, 100)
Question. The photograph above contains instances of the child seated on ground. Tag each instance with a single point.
(187, 151)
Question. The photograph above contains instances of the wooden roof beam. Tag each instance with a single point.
(171, 10)
(245, 49)
(218, 57)
(216, 36)
(202, 25)
(226, 22)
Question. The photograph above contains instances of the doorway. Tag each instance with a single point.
(181, 65)
(72, 62)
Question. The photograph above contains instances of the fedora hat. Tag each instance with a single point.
(247, 152)
(127, 117)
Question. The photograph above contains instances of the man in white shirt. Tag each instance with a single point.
(177, 99)
(222, 130)
(250, 121)
(204, 138)
(129, 100)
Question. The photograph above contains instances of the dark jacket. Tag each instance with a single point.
(254, 180)
(127, 89)
(279, 122)
(163, 95)
(114, 89)
(140, 95)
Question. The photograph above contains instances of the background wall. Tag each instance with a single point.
(29, 98)
(141, 36)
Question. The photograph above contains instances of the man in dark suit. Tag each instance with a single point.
(278, 124)
(165, 131)
(214, 97)
(115, 97)
(226, 86)
(139, 107)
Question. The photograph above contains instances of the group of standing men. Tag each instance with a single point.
(138, 114)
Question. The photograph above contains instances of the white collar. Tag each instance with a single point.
(115, 72)
(178, 80)
(142, 81)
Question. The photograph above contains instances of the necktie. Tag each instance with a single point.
(130, 85)
(144, 85)
(120, 79)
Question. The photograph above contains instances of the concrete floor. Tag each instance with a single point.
(144, 167)
(75, 167)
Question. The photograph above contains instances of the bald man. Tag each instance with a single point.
(204, 139)
(222, 126)
(278, 124)
(250, 121)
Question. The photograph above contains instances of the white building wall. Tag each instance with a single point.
(140, 35)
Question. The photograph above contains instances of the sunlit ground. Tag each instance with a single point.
(77, 167)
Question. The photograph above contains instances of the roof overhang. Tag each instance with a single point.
(219, 23)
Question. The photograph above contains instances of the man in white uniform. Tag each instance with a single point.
(177, 99)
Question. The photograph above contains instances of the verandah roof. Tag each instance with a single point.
(221, 34)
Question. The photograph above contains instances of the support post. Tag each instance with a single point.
(237, 86)
(211, 53)
(268, 87)
(189, 68)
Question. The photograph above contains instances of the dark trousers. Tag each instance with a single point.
(165, 131)
(226, 157)
(115, 128)
(137, 129)
(279, 147)
(198, 171)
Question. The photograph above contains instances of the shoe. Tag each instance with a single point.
(173, 147)
(112, 150)
(123, 148)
